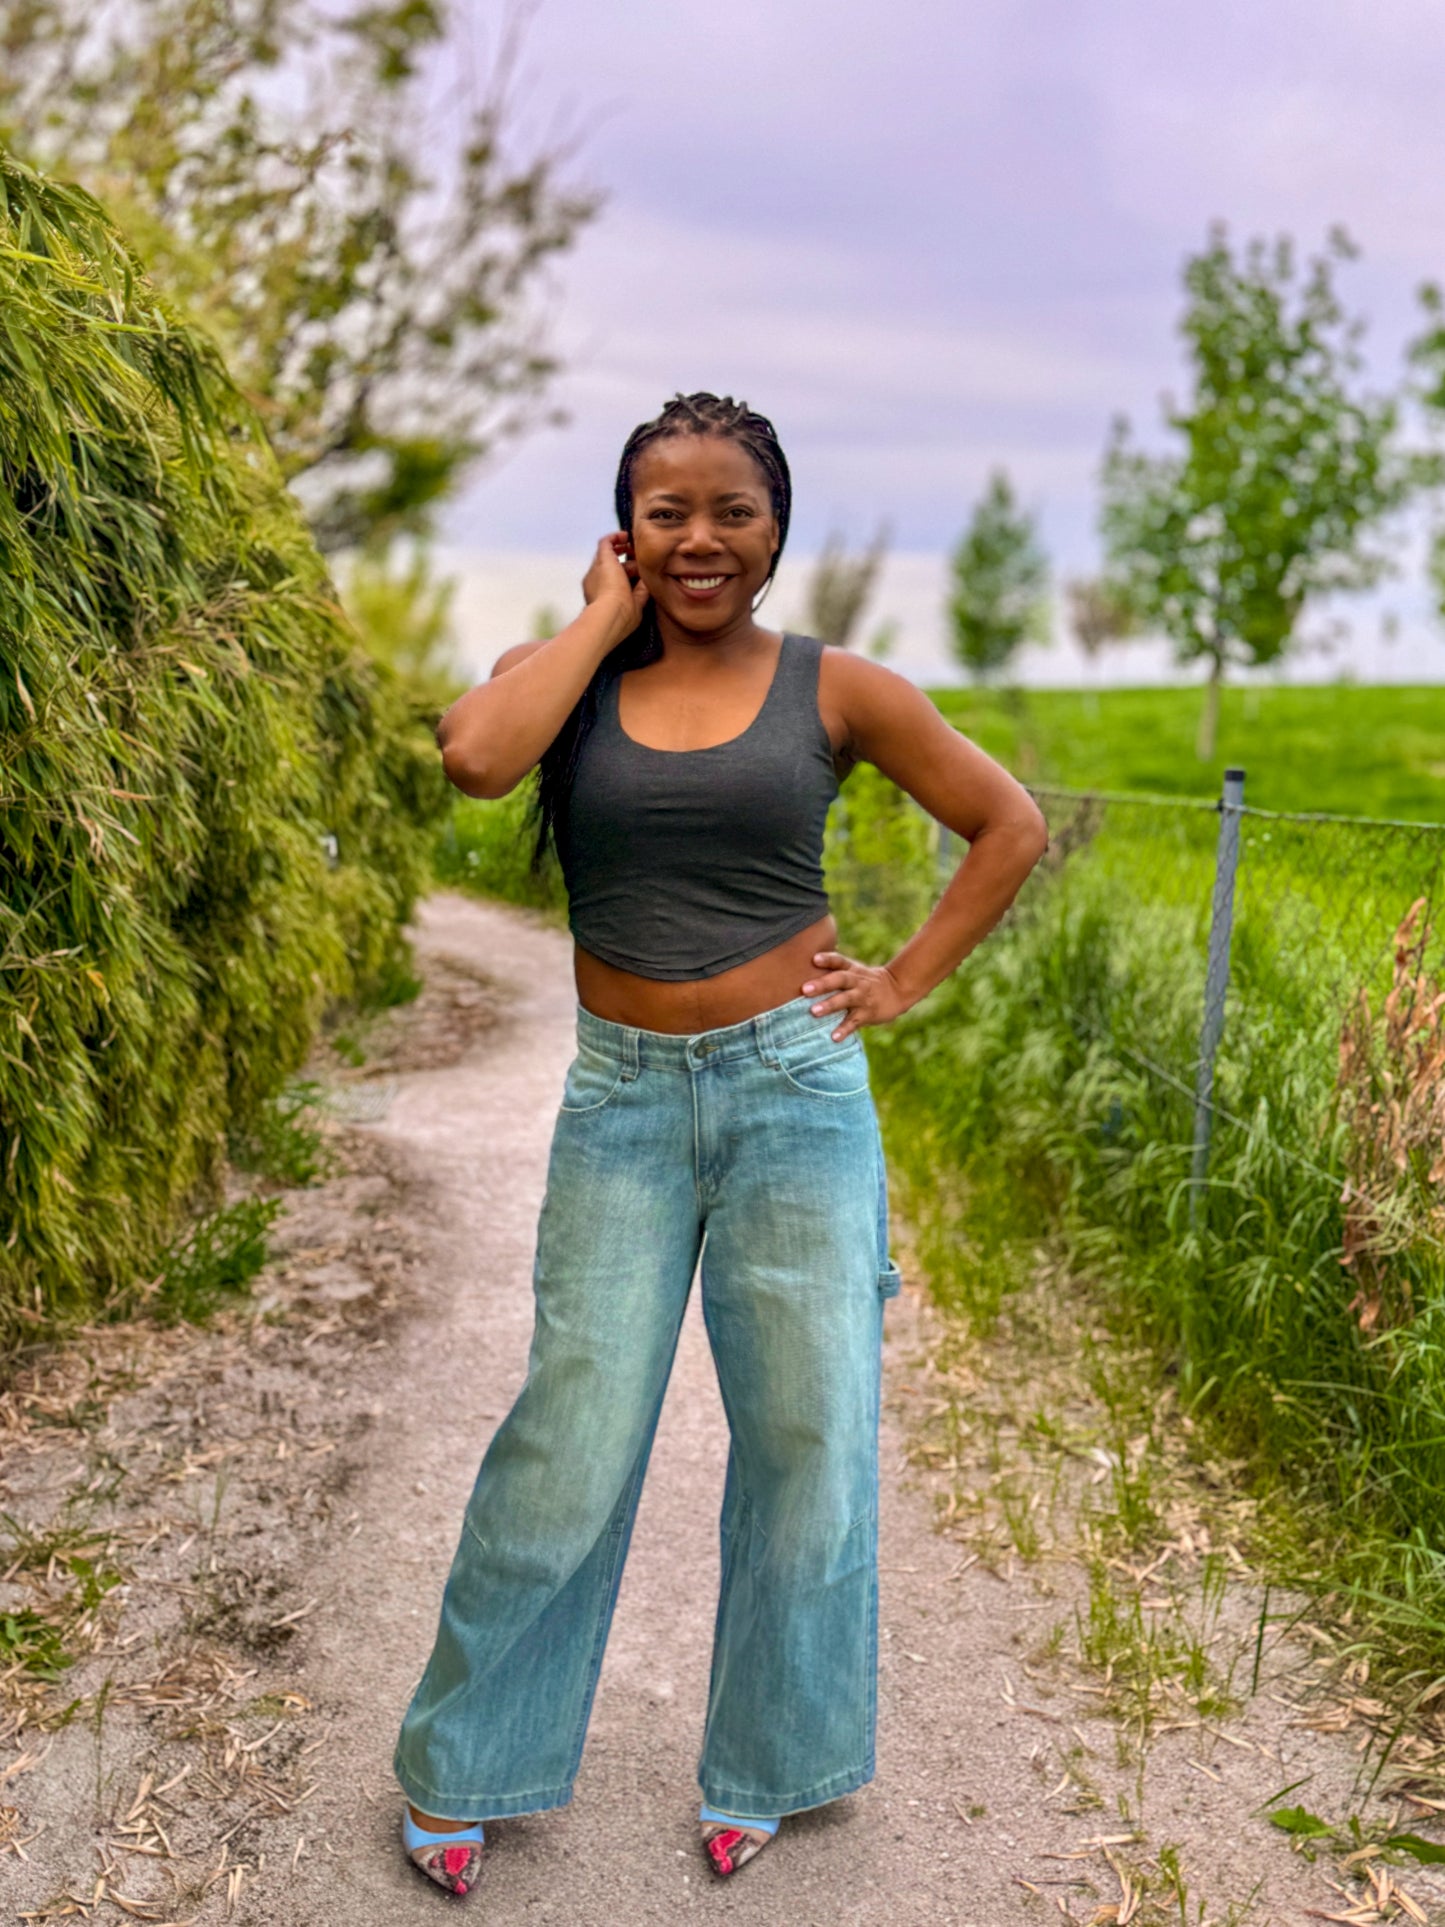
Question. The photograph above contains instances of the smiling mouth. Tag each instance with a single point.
(701, 584)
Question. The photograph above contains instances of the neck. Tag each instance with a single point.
(729, 640)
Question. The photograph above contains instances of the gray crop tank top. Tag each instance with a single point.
(682, 863)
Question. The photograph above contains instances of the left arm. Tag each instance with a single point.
(892, 724)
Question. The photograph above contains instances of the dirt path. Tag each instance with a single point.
(993, 1769)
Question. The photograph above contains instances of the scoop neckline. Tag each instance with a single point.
(707, 749)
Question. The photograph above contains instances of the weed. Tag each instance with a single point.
(34, 1643)
(1149, 1656)
(1019, 1506)
(283, 1141)
(348, 1049)
(1171, 1878)
(214, 1262)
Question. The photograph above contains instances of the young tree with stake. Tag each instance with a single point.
(1282, 468)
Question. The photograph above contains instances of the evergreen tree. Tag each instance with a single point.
(999, 598)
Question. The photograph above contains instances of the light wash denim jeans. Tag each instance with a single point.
(757, 1147)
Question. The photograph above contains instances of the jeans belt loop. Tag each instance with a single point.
(631, 1053)
(767, 1049)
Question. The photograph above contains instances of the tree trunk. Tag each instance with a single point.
(1209, 715)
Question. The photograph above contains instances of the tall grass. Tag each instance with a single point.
(1045, 1094)
(214, 811)
(486, 847)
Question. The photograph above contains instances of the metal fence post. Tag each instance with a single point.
(1216, 981)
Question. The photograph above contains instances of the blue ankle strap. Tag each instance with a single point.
(415, 1836)
(758, 1826)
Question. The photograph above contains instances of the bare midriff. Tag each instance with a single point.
(703, 1003)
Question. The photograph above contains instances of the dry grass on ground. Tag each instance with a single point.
(163, 1494)
(1059, 1465)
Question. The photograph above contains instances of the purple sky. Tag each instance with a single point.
(934, 237)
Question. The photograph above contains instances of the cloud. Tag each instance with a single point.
(939, 240)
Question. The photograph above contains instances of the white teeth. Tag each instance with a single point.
(702, 581)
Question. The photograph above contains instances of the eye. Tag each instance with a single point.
(660, 515)
(742, 509)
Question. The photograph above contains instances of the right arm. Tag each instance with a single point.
(494, 734)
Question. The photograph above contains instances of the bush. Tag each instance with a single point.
(214, 810)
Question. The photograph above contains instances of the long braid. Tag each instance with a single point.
(699, 414)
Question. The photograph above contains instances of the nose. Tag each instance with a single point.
(700, 537)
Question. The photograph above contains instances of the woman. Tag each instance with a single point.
(718, 1106)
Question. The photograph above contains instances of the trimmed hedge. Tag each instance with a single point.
(215, 811)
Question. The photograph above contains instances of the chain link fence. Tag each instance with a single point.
(1264, 929)
(1285, 929)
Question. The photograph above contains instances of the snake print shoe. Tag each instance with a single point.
(729, 1845)
(452, 1860)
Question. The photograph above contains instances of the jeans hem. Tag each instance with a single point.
(752, 1806)
(440, 1806)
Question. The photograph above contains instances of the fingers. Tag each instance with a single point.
(834, 962)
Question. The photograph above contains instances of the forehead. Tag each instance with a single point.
(697, 465)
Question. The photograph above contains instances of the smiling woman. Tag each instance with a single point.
(718, 1110)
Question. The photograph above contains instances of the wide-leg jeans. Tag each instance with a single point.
(755, 1148)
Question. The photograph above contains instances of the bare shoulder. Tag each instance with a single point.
(866, 698)
(518, 652)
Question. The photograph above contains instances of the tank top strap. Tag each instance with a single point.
(798, 667)
(792, 705)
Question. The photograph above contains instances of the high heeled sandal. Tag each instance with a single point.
(452, 1860)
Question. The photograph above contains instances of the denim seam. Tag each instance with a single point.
(697, 1152)
(742, 1803)
(586, 1110)
(608, 1600)
(502, 1807)
(825, 1097)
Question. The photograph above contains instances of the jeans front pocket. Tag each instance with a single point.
(820, 1068)
(592, 1082)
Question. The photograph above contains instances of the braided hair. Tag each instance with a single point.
(699, 414)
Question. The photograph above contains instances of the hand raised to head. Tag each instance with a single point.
(612, 579)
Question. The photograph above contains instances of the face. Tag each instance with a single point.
(703, 529)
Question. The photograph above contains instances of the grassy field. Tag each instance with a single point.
(1358, 751)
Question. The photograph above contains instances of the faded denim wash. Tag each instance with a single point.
(756, 1147)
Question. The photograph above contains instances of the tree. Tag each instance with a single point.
(264, 155)
(1427, 353)
(840, 587)
(1284, 470)
(1099, 613)
(1000, 583)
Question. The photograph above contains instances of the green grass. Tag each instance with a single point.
(1044, 1094)
(1355, 750)
(486, 847)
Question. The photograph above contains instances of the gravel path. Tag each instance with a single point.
(900, 1852)
(966, 1822)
